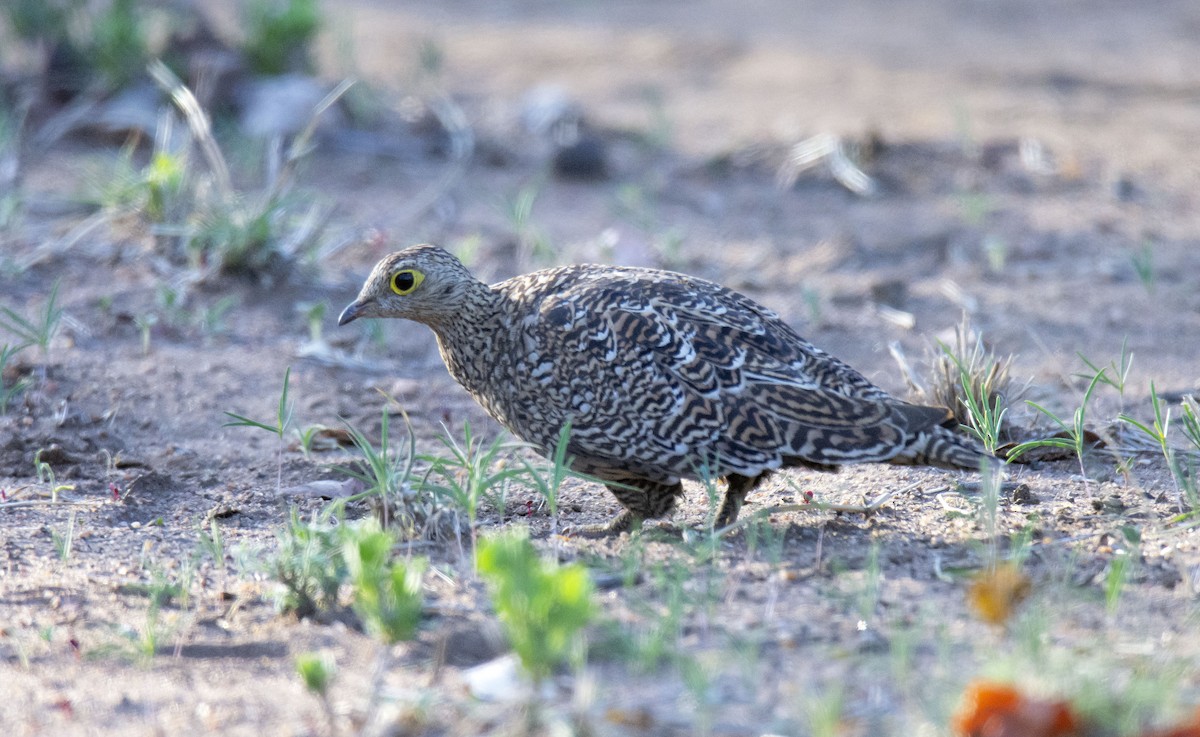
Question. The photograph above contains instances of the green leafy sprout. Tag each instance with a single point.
(1076, 431)
(387, 593)
(542, 605)
(39, 331)
(283, 420)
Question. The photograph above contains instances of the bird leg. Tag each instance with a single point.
(641, 500)
(736, 489)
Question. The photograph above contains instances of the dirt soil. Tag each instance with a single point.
(1036, 168)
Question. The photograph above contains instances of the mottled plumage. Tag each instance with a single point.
(662, 377)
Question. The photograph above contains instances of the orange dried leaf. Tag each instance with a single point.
(999, 710)
(995, 594)
(981, 702)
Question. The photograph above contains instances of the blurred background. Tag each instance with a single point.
(824, 151)
(190, 192)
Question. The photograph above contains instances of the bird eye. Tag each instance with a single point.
(403, 282)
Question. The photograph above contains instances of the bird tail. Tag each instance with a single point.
(942, 447)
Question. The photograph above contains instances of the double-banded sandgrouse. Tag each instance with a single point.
(662, 376)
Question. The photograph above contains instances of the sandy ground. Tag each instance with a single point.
(1027, 156)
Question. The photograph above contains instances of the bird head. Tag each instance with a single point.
(422, 283)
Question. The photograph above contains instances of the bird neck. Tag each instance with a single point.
(468, 336)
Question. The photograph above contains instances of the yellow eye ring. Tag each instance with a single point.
(405, 281)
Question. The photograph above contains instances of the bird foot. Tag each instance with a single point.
(625, 521)
(729, 511)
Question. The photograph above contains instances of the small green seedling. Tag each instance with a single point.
(387, 477)
(64, 541)
(1143, 266)
(543, 606)
(1176, 459)
(12, 391)
(1120, 567)
(387, 593)
(472, 474)
(162, 590)
(315, 316)
(280, 34)
(39, 331)
(211, 319)
(118, 42)
(825, 712)
(1161, 427)
(1191, 421)
(309, 566)
(317, 671)
(663, 610)
(985, 407)
(531, 241)
(45, 475)
(143, 642)
(974, 384)
(1116, 374)
(765, 541)
(283, 420)
(212, 543)
(867, 598)
(990, 484)
(1076, 432)
(163, 180)
(307, 436)
(698, 676)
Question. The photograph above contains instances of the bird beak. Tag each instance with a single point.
(353, 311)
